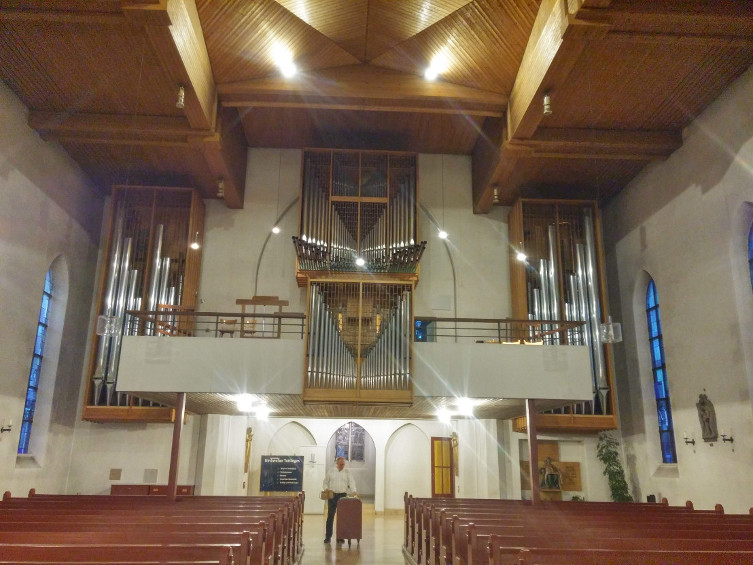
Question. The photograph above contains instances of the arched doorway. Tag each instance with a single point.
(354, 443)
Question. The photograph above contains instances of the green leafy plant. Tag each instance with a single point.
(608, 454)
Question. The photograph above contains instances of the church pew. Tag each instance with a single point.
(131, 554)
(247, 546)
(282, 541)
(290, 509)
(478, 540)
(505, 556)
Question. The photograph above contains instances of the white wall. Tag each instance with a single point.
(48, 210)
(685, 222)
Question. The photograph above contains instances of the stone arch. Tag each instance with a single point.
(407, 465)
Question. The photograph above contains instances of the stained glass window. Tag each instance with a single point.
(36, 366)
(658, 366)
(349, 442)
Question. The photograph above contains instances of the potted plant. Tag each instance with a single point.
(607, 453)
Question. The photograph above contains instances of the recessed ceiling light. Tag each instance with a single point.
(276, 229)
(283, 58)
(439, 64)
(442, 234)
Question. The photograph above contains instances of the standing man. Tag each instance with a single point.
(340, 481)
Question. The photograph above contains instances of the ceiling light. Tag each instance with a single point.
(439, 64)
(276, 229)
(360, 262)
(547, 105)
(520, 256)
(444, 415)
(195, 243)
(262, 412)
(283, 58)
(442, 234)
(244, 402)
(181, 102)
(465, 406)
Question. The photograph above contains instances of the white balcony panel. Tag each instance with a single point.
(275, 366)
(482, 370)
(210, 365)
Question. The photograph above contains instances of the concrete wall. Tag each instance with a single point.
(685, 223)
(49, 213)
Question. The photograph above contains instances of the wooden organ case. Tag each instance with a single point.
(562, 278)
(358, 253)
(149, 264)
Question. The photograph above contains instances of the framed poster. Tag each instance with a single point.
(281, 473)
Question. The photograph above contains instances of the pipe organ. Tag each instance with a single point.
(149, 264)
(562, 279)
(358, 253)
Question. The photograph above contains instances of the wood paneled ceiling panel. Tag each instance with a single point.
(621, 84)
(241, 38)
(80, 67)
(589, 179)
(422, 132)
(292, 406)
(160, 165)
(484, 42)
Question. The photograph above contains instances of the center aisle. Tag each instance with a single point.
(381, 544)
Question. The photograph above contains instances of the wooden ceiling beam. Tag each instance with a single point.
(174, 31)
(555, 45)
(17, 15)
(113, 128)
(364, 88)
(226, 155)
(600, 144)
(678, 18)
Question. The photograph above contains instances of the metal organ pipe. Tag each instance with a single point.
(595, 314)
(109, 305)
(120, 303)
(553, 280)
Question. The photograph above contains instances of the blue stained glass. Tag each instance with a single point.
(651, 298)
(660, 390)
(23, 442)
(36, 368)
(48, 283)
(39, 344)
(661, 386)
(668, 447)
(341, 451)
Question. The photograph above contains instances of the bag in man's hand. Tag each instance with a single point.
(327, 494)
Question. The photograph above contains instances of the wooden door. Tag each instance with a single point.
(442, 470)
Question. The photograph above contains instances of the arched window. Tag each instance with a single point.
(349, 442)
(750, 253)
(658, 366)
(36, 366)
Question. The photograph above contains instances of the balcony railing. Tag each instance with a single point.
(505, 330)
(181, 322)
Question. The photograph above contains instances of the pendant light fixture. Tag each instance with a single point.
(276, 227)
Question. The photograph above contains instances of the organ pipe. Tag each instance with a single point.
(594, 312)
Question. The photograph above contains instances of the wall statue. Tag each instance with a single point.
(707, 417)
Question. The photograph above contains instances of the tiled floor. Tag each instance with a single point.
(381, 544)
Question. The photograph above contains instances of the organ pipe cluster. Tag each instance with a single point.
(580, 301)
(358, 207)
(123, 292)
(359, 336)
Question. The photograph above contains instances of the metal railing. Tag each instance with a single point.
(504, 330)
(181, 322)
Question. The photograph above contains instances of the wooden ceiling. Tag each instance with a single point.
(624, 78)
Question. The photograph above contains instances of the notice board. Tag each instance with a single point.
(281, 473)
